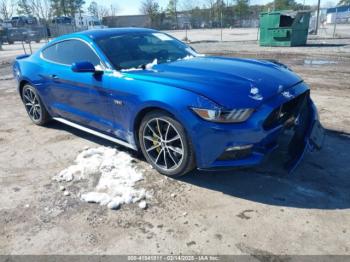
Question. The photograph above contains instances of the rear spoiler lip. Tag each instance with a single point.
(22, 56)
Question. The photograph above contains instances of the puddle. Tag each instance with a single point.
(319, 62)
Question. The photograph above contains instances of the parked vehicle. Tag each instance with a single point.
(88, 22)
(21, 34)
(6, 24)
(147, 91)
(62, 20)
(15, 34)
(33, 36)
(20, 21)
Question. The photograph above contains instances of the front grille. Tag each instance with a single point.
(285, 112)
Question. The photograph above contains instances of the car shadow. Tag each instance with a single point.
(321, 181)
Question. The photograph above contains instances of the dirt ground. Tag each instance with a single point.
(257, 211)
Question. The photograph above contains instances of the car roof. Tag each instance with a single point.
(96, 34)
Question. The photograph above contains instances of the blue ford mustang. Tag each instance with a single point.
(147, 91)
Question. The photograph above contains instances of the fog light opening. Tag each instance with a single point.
(236, 152)
(234, 148)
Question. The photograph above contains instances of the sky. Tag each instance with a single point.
(132, 7)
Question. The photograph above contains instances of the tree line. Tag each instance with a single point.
(216, 11)
(47, 9)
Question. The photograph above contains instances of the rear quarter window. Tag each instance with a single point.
(69, 52)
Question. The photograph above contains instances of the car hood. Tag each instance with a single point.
(230, 82)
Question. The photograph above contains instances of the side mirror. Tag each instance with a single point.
(83, 67)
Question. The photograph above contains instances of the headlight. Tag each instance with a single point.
(222, 116)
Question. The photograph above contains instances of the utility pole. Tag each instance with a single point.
(221, 18)
(335, 21)
(317, 16)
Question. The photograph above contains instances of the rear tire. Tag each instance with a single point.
(165, 144)
(34, 106)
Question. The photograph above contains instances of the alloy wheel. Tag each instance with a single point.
(32, 104)
(163, 144)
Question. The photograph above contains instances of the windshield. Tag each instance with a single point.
(136, 50)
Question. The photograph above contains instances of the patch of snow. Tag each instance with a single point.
(256, 97)
(143, 204)
(194, 53)
(287, 94)
(150, 66)
(65, 175)
(254, 90)
(186, 58)
(117, 177)
(96, 197)
(131, 69)
(114, 204)
(254, 93)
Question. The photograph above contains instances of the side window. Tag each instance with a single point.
(51, 54)
(71, 51)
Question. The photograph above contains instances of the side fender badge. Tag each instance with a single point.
(118, 102)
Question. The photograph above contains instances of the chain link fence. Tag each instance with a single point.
(250, 32)
(27, 34)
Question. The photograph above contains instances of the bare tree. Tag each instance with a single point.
(189, 5)
(149, 7)
(172, 10)
(101, 11)
(114, 10)
(38, 8)
(23, 7)
(152, 10)
(93, 9)
(6, 9)
(41, 9)
(210, 4)
(328, 4)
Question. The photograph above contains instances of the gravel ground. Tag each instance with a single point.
(260, 210)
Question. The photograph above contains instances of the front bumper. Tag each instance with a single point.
(212, 140)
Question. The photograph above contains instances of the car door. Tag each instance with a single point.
(78, 97)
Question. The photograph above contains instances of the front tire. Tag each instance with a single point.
(165, 144)
(34, 106)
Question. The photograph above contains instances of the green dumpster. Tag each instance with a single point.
(284, 28)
